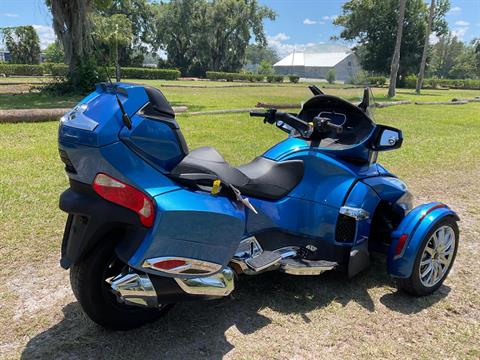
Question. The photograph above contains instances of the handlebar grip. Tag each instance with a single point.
(339, 128)
(258, 114)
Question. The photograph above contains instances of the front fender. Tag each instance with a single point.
(414, 227)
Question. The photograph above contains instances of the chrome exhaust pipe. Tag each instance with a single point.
(137, 289)
(134, 289)
(217, 285)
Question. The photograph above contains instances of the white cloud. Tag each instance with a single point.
(455, 10)
(331, 17)
(11, 15)
(278, 38)
(460, 32)
(307, 21)
(321, 22)
(433, 38)
(46, 35)
(462, 23)
(276, 42)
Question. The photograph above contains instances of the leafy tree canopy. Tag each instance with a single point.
(23, 44)
(255, 54)
(201, 35)
(54, 53)
(372, 24)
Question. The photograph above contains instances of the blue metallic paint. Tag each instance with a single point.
(416, 225)
(196, 224)
(155, 141)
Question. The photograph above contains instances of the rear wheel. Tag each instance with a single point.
(93, 292)
(434, 259)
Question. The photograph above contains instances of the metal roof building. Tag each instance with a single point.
(315, 64)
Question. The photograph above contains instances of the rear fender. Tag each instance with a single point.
(415, 226)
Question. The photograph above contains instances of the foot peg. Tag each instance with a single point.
(264, 260)
(306, 267)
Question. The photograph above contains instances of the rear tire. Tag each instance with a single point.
(87, 279)
(435, 275)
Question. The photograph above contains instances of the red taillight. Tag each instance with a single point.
(401, 244)
(169, 264)
(125, 195)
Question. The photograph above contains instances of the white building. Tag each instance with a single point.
(315, 63)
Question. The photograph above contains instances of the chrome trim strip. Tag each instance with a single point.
(356, 213)
(192, 266)
(220, 284)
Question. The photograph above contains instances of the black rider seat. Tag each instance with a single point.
(260, 178)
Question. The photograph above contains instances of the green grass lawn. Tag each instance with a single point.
(440, 159)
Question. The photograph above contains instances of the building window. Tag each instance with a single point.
(349, 63)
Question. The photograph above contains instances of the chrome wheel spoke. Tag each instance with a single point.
(437, 256)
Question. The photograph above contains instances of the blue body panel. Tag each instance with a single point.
(364, 197)
(416, 225)
(193, 225)
(155, 141)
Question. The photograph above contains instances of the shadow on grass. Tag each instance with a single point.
(200, 329)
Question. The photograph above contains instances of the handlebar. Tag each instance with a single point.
(322, 124)
(272, 115)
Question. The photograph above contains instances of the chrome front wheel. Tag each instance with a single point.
(434, 259)
(437, 256)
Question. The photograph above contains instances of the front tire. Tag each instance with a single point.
(87, 279)
(434, 259)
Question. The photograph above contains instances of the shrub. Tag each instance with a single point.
(293, 78)
(55, 69)
(148, 73)
(331, 74)
(275, 78)
(410, 82)
(21, 69)
(256, 77)
(217, 75)
(377, 80)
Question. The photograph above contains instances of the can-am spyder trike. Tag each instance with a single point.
(151, 223)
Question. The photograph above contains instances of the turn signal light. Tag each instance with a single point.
(125, 195)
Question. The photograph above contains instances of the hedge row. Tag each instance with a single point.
(377, 80)
(21, 69)
(411, 82)
(217, 75)
(62, 70)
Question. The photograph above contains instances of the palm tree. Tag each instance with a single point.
(421, 73)
(396, 53)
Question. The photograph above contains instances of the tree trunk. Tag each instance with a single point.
(396, 53)
(72, 27)
(421, 73)
(117, 63)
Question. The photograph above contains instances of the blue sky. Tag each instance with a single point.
(300, 23)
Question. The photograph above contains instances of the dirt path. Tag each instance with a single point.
(270, 316)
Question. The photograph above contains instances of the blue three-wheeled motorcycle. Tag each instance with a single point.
(151, 223)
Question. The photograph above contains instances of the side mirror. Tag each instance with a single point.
(386, 138)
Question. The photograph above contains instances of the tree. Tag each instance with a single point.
(396, 54)
(331, 75)
(113, 31)
(436, 13)
(23, 44)
(201, 35)
(421, 73)
(54, 53)
(140, 14)
(265, 68)
(369, 23)
(444, 54)
(255, 54)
